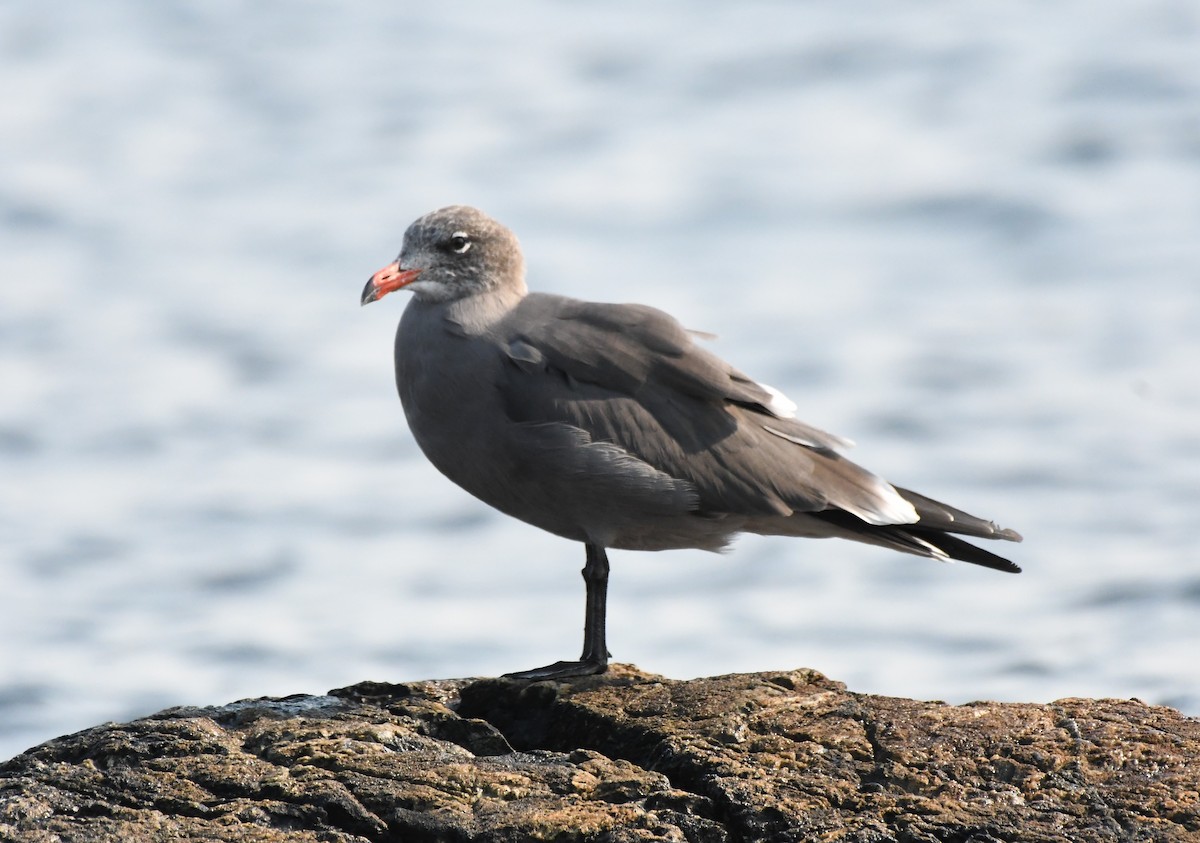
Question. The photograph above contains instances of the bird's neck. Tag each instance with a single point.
(476, 314)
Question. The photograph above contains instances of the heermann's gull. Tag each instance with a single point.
(606, 424)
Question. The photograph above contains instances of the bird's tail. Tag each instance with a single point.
(931, 535)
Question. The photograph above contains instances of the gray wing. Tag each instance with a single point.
(631, 376)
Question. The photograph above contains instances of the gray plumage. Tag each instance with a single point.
(607, 424)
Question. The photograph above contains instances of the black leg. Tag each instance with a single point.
(595, 648)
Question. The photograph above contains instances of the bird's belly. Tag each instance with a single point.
(584, 491)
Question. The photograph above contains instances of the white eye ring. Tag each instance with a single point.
(460, 242)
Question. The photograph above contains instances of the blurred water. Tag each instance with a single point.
(966, 237)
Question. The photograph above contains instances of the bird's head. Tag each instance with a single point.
(451, 254)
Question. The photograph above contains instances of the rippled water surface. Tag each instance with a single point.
(966, 238)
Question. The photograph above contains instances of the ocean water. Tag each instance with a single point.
(966, 237)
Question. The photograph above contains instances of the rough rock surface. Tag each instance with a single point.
(622, 757)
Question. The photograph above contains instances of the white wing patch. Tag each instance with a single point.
(886, 508)
(780, 405)
(833, 442)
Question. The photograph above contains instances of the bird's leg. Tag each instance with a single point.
(595, 648)
(595, 579)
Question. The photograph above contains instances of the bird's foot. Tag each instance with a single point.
(561, 670)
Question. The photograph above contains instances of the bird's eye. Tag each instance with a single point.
(459, 243)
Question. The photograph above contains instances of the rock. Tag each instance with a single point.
(626, 756)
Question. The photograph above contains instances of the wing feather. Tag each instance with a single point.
(632, 376)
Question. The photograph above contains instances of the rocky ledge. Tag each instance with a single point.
(626, 756)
